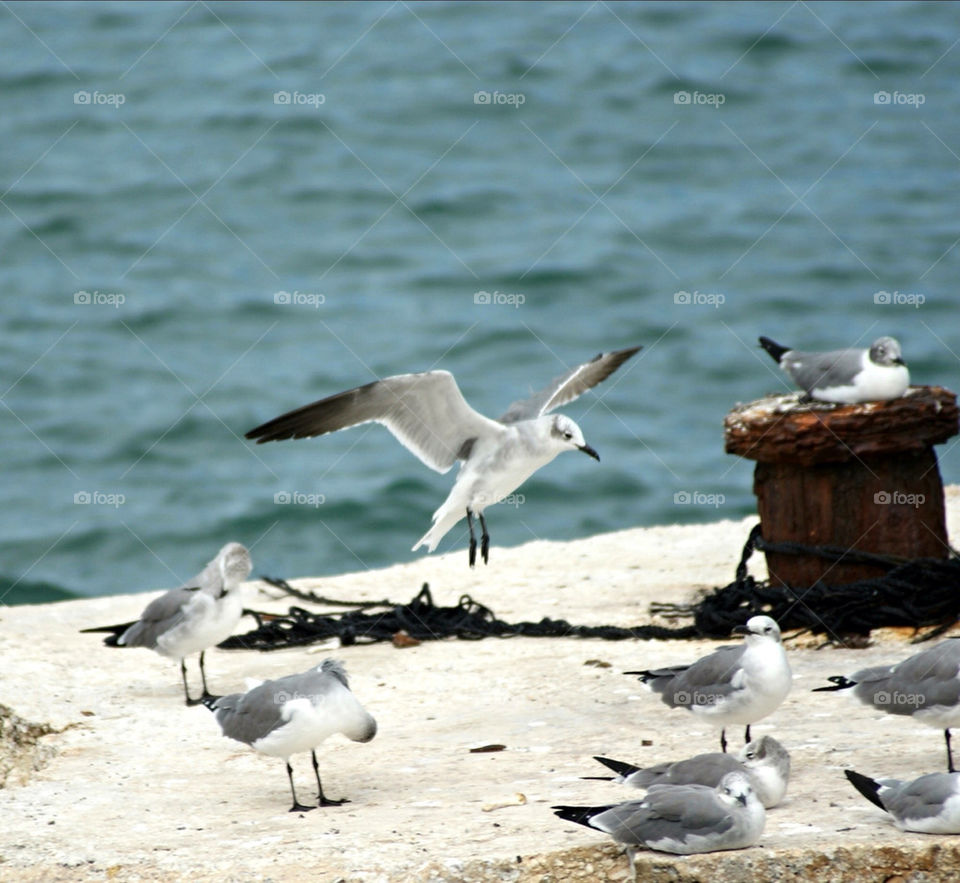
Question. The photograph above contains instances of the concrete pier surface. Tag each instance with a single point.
(108, 776)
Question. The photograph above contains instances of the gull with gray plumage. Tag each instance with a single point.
(765, 761)
(925, 687)
(429, 416)
(733, 685)
(191, 618)
(928, 805)
(683, 820)
(845, 376)
(293, 714)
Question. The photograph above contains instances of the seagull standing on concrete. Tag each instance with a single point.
(765, 761)
(733, 685)
(199, 614)
(429, 416)
(293, 714)
(845, 376)
(683, 820)
(925, 686)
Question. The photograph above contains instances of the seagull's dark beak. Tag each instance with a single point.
(588, 450)
(740, 630)
(742, 798)
(898, 361)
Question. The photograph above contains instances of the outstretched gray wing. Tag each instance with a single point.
(425, 412)
(569, 386)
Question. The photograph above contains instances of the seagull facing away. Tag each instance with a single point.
(765, 761)
(925, 686)
(733, 685)
(293, 714)
(845, 376)
(683, 820)
(928, 805)
(199, 614)
(430, 417)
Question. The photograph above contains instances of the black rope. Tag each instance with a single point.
(919, 593)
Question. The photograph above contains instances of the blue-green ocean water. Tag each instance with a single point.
(683, 176)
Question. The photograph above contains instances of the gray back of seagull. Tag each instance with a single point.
(933, 674)
(667, 814)
(704, 769)
(249, 717)
(679, 687)
(822, 370)
(923, 798)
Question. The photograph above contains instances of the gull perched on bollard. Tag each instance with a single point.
(681, 819)
(733, 685)
(765, 761)
(845, 376)
(429, 416)
(199, 614)
(925, 686)
(928, 805)
(294, 714)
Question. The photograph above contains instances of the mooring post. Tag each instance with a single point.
(861, 477)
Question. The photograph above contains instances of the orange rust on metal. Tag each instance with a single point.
(861, 477)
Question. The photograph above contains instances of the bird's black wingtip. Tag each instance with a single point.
(837, 682)
(868, 787)
(210, 701)
(775, 349)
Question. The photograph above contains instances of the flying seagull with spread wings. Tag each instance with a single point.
(429, 416)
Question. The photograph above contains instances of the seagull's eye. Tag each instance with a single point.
(568, 435)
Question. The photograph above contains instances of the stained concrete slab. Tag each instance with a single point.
(136, 786)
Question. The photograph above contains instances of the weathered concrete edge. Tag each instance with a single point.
(917, 862)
